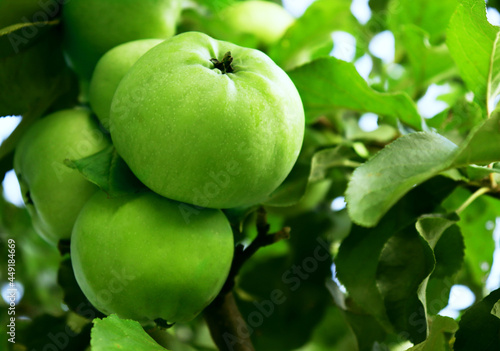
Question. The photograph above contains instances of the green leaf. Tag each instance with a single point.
(474, 45)
(480, 172)
(39, 72)
(478, 328)
(413, 158)
(431, 16)
(405, 262)
(288, 289)
(73, 295)
(327, 84)
(113, 333)
(108, 171)
(54, 331)
(326, 159)
(481, 145)
(311, 31)
(367, 329)
(379, 183)
(496, 309)
(477, 223)
(428, 63)
(445, 239)
(465, 116)
(215, 5)
(292, 189)
(21, 36)
(431, 227)
(362, 277)
(442, 329)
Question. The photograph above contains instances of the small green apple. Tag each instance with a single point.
(207, 122)
(110, 70)
(264, 20)
(138, 256)
(54, 194)
(92, 27)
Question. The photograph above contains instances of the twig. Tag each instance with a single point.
(227, 326)
(473, 197)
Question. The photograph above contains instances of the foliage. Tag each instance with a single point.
(422, 193)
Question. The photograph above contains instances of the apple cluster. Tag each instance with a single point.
(201, 122)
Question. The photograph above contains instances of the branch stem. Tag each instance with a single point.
(474, 196)
(227, 326)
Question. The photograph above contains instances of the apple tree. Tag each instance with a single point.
(242, 175)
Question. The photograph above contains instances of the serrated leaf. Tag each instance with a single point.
(444, 238)
(311, 31)
(431, 16)
(327, 84)
(108, 171)
(477, 223)
(428, 63)
(308, 170)
(379, 183)
(442, 329)
(431, 227)
(481, 145)
(360, 275)
(326, 159)
(405, 263)
(478, 328)
(413, 158)
(113, 333)
(474, 45)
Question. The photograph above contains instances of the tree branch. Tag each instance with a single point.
(227, 326)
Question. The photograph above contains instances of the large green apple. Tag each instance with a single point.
(109, 72)
(200, 126)
(140, 257)
(266, 21)
(92, 27)
(54, 194)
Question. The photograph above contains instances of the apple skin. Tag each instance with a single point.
(92, 27)
(138, 256)
(54, 194)
(196, 135)
(266, 21)
(109, 71)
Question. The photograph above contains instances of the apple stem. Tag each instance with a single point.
(225, 64)
(227, 326)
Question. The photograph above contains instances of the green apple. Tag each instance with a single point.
(202, 126)
(140, 257)
(53, 193)
(110, 70)
(92, 27)
(264, 20)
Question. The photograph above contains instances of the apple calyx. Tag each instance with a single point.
(225, 65)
